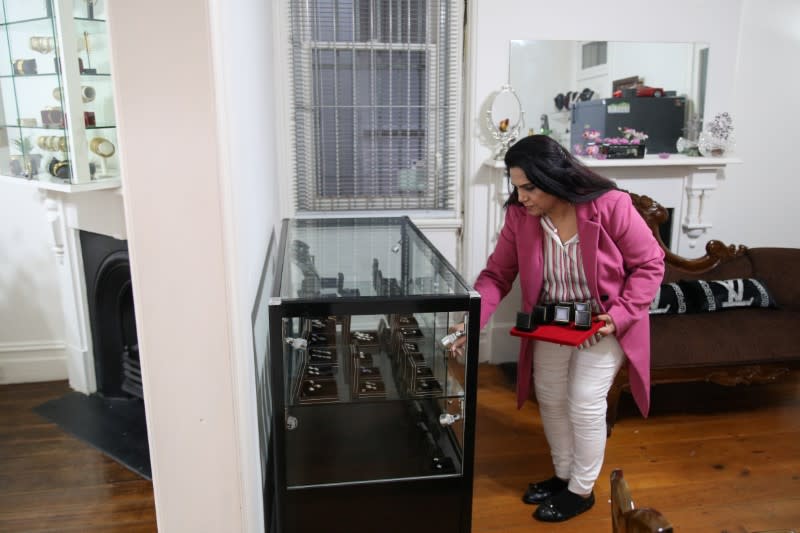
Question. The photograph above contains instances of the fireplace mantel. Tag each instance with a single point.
(682, 183)
(674, 160)
(45, 182)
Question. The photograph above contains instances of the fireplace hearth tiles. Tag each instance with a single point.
(116, 427)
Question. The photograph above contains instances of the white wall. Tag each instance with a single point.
(31, 330)
(200, 208)
(245, 82)
(756, 205)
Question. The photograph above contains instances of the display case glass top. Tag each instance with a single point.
(57, 118)
(363, 258)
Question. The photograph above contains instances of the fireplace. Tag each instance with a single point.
(106, 269)
(105, 409)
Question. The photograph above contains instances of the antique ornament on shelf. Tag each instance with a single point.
(716, 139)
(87, 93)
(105, 149)
(504, 119)
(43, 45)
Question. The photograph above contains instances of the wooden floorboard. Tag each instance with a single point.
(710, 458)
(51, 481)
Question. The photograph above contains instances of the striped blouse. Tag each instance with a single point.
(564, 277)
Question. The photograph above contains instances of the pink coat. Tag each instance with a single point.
(624, 267)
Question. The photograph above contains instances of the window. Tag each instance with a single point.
(594, 54)
(375, 103)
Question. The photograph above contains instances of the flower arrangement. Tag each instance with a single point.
(628, 136)
(721, 126)
(612, 147)
(591, 135)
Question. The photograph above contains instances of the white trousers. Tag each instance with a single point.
(571, 387)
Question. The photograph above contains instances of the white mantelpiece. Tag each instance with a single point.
(682, 183)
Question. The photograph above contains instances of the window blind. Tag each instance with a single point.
(375, 103)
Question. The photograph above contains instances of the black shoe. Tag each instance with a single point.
(563, 506)
(540, 491)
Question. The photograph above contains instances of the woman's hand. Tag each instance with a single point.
(609, 328)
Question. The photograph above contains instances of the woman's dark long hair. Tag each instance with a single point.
(549, 167)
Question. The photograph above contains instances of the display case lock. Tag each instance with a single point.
(299, 344)
(448, 340)
(446, 419)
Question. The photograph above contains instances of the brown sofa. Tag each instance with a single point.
(730, 347)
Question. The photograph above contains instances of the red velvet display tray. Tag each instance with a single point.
(566, 335)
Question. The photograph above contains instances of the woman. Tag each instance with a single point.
(570, 235)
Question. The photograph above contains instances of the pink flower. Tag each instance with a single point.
(591, 135)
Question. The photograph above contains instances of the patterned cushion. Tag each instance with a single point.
(700, 296)
(719, 295)
(669, 300)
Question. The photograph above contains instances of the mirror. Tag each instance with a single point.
(542, 70)
(505, 119)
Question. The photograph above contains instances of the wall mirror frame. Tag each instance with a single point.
(505, 117)
(540, 70)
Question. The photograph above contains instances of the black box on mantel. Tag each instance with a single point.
(662, 119)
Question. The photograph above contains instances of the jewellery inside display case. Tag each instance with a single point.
(25, 67)
(369, 357)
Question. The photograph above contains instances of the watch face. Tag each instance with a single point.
(543, 314)
(581, 306)
(583, 318)
(562, 314)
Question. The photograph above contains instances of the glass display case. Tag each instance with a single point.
(57, 121)
(372, 418)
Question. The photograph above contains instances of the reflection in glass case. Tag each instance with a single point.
(57, 120)
(373, 417)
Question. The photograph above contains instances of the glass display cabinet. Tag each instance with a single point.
(372, 420)
(57, 115)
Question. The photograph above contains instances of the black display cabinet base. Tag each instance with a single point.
(397, 507)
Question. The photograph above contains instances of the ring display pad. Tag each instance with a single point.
(566, 335)
(371, 356)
